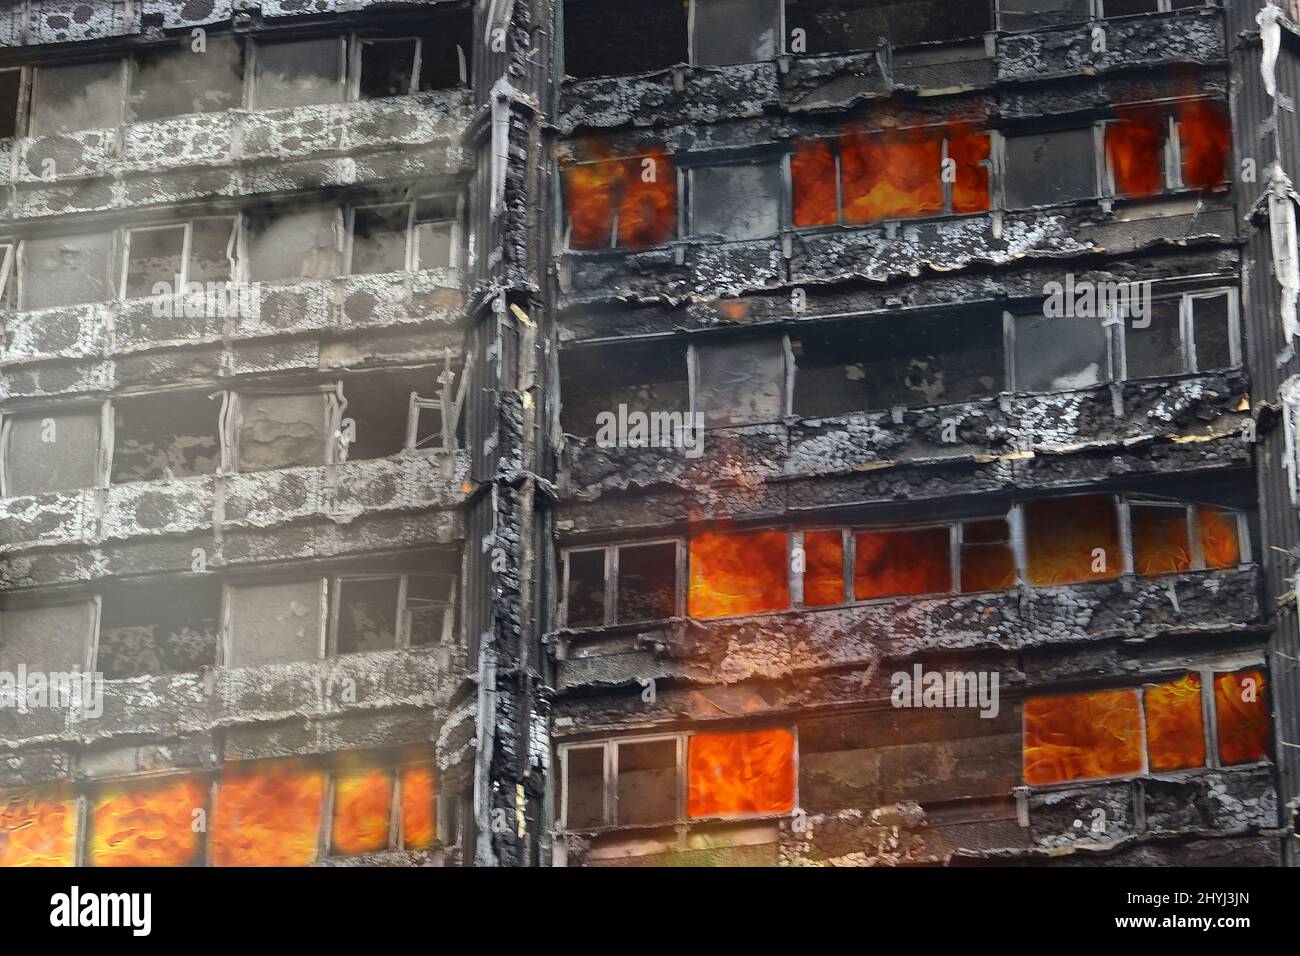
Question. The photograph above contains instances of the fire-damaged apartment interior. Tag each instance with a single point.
(649, 432)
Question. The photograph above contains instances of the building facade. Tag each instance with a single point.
(636, 432)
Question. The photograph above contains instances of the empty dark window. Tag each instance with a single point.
(584, 787)
(293, 245)
(166, 627)
(1156, 348)
(633, 36)
(367, 614)
(645, 378)
(740, 382)
(647, 582)
(1212, 330)
(445, 52)
(76, 97)
(54, 451)
(388, 68)
(1191, 333)
(67, 270)
(1036, 14)
(8, 266)
(987, 560)
(166, 436)
(585, 592)
(1047, 168)
(832, 26)
(735, 31)
(872, 364)
(741, 201)
(298, 73)
(379, 238)
(376, 419)
(647, 783)
(212, 249)
(178, 79)
(428, 608)
(154, 256)
(11, 85)
(1059, 354)
(435, 233)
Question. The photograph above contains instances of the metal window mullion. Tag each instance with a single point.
(795, 545)
(104, 451)
(1174, 154)
(326, 605)
(956, 537)
(681, 586)
(609, 812)
(417, 65)
(1210, 713)
(325, 834)
(331, 613)
(402, 637)
(848, 559)
(1187, 332)
(395, 822)
(1019, 547)
(1197, 553)
(412, 250)
(1009, 349)
(1243, 538)
(1127, 564)
(611, 583)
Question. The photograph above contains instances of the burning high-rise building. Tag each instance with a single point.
(629, 432)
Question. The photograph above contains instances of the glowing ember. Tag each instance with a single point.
(1160, 542)
(647, 215)
(419, 791)
(37, 831)
(1082, 736)
(1072, 540)
(1175, 724)
(1135, 145)
(823, 579)
(890, 563)
(970, 152)
(268, 815)
(891, 175)
(147, 825)
(363, 804)
(1218, 533)
(1242, 717)
(812, 174)
(1203, 132)
(738, 573)
(741, 773)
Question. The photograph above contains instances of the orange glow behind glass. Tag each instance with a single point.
(1242, 717)
(812, 175)
(823, 581)
(363, 804)
(1135, 145)
(1175, 724)
(1160, 541)
(970, 152)
(1204, 132)
(1218, 534)
(647, 215)
(741, 773)
(739, 573)
(891, 563)
(268, 815)
(591, 189)
(987, 561)
(419, 790)
(150, 825)
(891, 175)
(36, 831)
(1062, 534)
(1082, 736)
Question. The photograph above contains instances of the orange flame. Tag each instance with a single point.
(738, 573)
(37, 831)
(363, 804)
(419, 792)
(643, 191)
(890, 563)
(147, 825)
(1082, 736)
(891, 174)
(1135, 144)
(648, 212)
(970, 151)
(1175, 725)
(1204, 134)
(823, 579)
(1217, 530)
(1063, 536)
(741, 773)
(1160, 540)
(268, 815)
(1242, 717)
(987, 561)
(812, 176)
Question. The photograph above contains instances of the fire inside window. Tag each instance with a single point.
(1118, 733)
(270, 813)
(675, 778)
(1070, 540)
